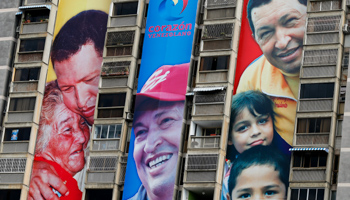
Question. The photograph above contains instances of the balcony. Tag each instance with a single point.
(34, 27)
(24, 86)
(12, 170)
(125, 50)
(217, 36)
(310, 139)
(201, 168)
(102, 169)
(308, 175)
(198, 142)
(308, 105)
(105, 145)
(123, 20)
(15, 146)
(213, 76)
(120, 43)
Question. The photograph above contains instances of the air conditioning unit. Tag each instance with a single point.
(346, 28)
(129, 116)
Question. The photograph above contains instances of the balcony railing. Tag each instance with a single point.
(213, 76)
(29, 2)
(209, 109)
(320, 57)
(309, 175)
(104, 144)
(126, 20)
(315, 105)
(18, 116)
(205, 142)
(24, 86)
(34, 27)
(218, 31)
(119, 50)
(115, 70)
(318, 71)
(32, 56)
(15, 146)
(312, 138)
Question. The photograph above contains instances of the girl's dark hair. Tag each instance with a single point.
(259, 156)
(257, 103)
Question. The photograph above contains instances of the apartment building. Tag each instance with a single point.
(319, 165)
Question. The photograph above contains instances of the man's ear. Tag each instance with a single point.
(227, 196)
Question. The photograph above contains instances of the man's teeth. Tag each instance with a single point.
(290, 52)
(158, 161)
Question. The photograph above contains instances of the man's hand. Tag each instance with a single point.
(44, 176)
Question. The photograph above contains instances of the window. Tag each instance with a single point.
(98, 194)
(214, 63)
(127, 8)
(211, 131)
(22, 104)
(37, 44)
(111, 105)
(314, 125)
(307, 194)
(325, 5)
(36, 16)
(317, 90)
(108, 131)
(335, 169)
(27, 74)
(309, 159)
(10, 194)
(339, 127)
(17, 134)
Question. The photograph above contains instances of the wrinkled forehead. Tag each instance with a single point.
(64, 115)
(153, 107)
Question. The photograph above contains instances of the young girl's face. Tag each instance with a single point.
(249, 131)
(259, 182)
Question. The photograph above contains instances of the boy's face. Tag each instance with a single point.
(249, 131)
(259, 182)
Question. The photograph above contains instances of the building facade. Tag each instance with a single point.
(321, 144)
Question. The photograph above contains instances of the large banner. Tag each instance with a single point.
(69, 100)
(159, 106)
(263, 109)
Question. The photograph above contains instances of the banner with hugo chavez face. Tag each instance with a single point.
(69, 100)
(159, 106)
(263, 110)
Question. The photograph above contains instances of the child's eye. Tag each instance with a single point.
(270, 193)
(263, 121)
(242, 128)
(244, 196)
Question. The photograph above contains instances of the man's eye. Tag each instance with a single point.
(90, 80)
(265, 35)
(270, 193)
(244, 196)
(291, 22)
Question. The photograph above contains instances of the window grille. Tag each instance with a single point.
(322, 38)
(116, 68)
(320, 57)
(210, 97)
(202, 162)
(218, 31)
(103, 163)
(220, 3)
(12, 165)
(327, 23)
(120, 38)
